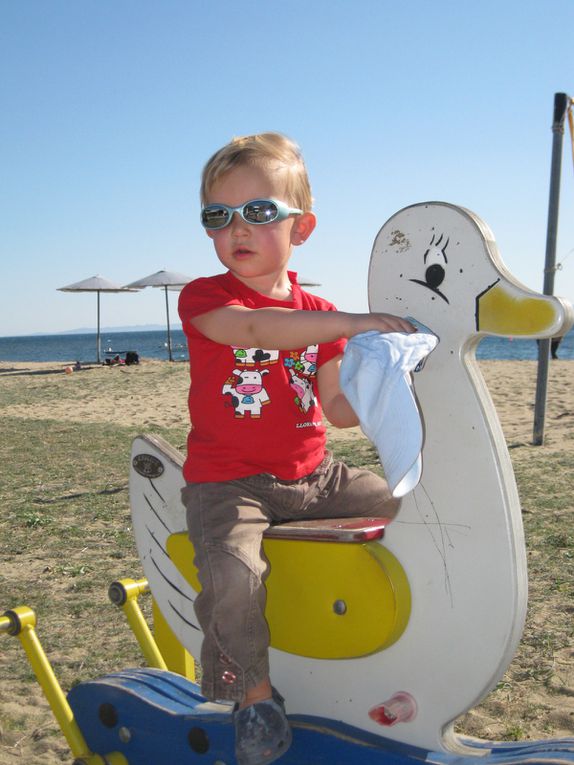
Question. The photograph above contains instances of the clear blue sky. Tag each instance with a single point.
(111, 107)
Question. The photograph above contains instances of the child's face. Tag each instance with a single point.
(257, 255)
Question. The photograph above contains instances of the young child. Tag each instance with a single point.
(264, 363)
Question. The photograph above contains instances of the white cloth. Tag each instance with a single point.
(375, 378)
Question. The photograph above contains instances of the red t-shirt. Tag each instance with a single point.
(253, 410)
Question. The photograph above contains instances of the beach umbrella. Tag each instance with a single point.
(167, 280)
(95, 284)
(303, 282)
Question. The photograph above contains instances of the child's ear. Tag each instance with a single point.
(303, 227)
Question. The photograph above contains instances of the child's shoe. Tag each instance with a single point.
(262, 732)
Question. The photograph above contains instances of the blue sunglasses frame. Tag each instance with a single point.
(282, 211)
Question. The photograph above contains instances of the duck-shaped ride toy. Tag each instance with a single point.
(384, 634)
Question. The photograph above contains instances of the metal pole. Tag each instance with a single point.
(561, 101)
(98, 344)
(168, 332)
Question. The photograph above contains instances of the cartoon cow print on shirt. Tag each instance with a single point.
(247, 392)
(304, 398)
(251, 356)
(309, 360)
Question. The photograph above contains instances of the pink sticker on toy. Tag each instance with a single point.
(399, 708)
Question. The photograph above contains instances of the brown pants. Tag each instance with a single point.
(226, 522)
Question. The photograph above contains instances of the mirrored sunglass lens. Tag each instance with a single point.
(260, 212)
(214, 217)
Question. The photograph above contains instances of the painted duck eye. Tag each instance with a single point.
(434, 275)
(435, 261)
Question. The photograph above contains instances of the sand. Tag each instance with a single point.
(130, 395)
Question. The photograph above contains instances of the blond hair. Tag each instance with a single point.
(271, 151)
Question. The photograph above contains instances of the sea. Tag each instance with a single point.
(152, 344)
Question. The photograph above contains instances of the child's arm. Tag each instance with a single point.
(333, 402)
(284, 329)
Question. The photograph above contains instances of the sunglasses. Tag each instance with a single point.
(257, 211)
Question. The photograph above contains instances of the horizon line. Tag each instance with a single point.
(93, 331)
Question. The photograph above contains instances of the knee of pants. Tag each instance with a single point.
(226, 522)
(376, 494)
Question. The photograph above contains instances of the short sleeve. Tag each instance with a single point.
(203, 295)
(330, 351)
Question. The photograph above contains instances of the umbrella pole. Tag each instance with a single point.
(98, 332)
(168, 332)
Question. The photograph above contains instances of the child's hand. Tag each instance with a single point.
(380, 322)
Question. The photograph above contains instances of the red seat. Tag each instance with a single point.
(331, 530)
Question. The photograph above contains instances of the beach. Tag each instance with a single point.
(85, 414)
(130, 395)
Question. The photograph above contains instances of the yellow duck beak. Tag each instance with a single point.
(507, 309)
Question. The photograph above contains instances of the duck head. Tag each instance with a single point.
(439, 263)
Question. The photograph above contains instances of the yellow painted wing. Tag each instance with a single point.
(326, 600)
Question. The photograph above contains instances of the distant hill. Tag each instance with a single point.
(106, 330)
(103, 330)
